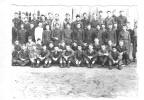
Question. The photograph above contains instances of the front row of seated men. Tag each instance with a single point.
(66, 55)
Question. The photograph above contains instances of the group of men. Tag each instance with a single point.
(83, 42)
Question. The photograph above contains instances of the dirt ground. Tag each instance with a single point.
(29, 82)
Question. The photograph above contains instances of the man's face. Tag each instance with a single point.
(56, 16)
(67, 16)
(109, 14)
(68, 26)
(44, 47)
(114, 49)
(98, 27)
(57, 26)
(109, 43)
(68, 48)
(77, 18)
(75, 44)
(96, 40)
(39, 41)
(124, 27)
(85, 15)
(43, 17)
(30, 40)
(78, 26)
(110, 26)
(103, 47)
(79, 48)
(63, 43)
(31, 25)
(47, 27)
(50, 15)
(103, 26)
(90, 47)
(89, 27)
(40, 24)
(22, 26)
(51, 45)
(121, 43)
(24, 47)
(100, 13)
(115, 25)
(17, 42)
(16, 15)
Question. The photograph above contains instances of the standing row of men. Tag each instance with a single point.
(83, 32)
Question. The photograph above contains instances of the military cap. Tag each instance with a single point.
(108, 11)
(100, 11)
(77, 15)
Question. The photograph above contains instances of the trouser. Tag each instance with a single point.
(104, 60)
(20, 62)
(42, 61)
(111, 63)
(67, 59)
(78, 61)
(134, 47)
(91, 60)
(125, 58)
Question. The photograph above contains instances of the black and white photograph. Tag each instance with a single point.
(73, 51)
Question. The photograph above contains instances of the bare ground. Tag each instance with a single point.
(75, 82)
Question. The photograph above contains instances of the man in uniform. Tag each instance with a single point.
(123, 52)
(109, 20)
(78, 34)
(115, 59)
(121, 20)
(90, 56)
(94, 21)
(31, 31)
(67, 34)
(56, 56)
(112, 34)
(67, 20)
(100, 18)
(67, 56)
(125, 36)
(22, 35)
(74, 45)
(85, 21)
(15, 53)
(105, 36)
(31, 46)
(16, 20)
(88, 34)
(50, 20)
(57, 34)
(78, 56)
(24, 56)
(56, 20)
(46, 36)
(39, 50)
(14, 33)
(74, 24)
(104, 56)
(43, 58)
